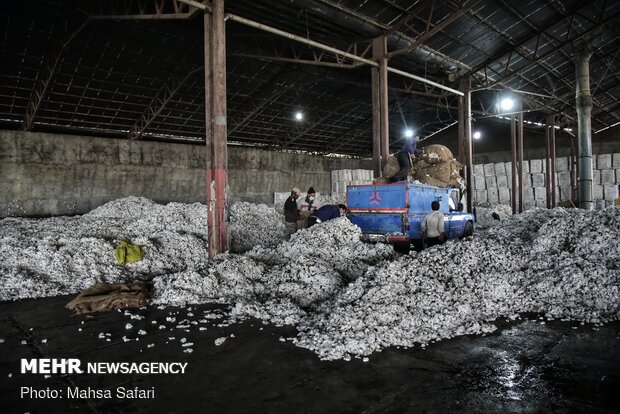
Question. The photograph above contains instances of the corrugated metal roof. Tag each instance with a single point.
(106, 76)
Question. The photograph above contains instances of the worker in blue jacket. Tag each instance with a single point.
(327, 212)
(404, 159)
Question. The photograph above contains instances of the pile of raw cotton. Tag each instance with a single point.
(347, 298)
(485, 213)
(256, 225)
(565, 264)
(61, 255)
(279, 284)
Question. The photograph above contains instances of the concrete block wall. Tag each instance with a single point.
(342, 178)
(53, 174)
(493, 182)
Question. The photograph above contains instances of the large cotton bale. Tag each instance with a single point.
(604, 161)
(391, 167)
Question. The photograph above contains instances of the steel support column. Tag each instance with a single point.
(520, 155)
(215, 112)
(573, 171)
(515, 170)
(385, 115)
(548, 128)
(461, 137)
(551, 121)
(469, 164)
(550, 182)
(584, 128)
(380, 117)
(376, 122)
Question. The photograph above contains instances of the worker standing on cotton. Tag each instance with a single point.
(433, 226)
(291, 211)
(306, 207)
(404, 159)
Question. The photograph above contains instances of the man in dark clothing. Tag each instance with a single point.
(327, 212)
(291, 213)
(404, 160)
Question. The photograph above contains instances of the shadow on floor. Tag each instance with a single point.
(527, 366)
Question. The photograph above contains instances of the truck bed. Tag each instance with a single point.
(381, 210)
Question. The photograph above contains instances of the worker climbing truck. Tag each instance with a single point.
(393, 213)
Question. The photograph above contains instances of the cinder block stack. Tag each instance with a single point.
(493, 182)
(342, 178)
(561, 164)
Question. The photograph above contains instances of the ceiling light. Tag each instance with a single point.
(506, 104)
(477, 135)
(408, 133)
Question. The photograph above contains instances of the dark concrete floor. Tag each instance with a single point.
(525, 367)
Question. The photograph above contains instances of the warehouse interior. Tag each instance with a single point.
(181, 126)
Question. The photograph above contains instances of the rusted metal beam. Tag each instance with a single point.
(436, 29)
(384, 105)
(461, 114)
(551, 121)
(515, 170)
(469, 164)
(520, 160)
(377, 52)
(334, 50)
(317, 62)
(159, 102)
(548, 185)
(215, 125)
(411, 14)
(48, 71)
(143, 10)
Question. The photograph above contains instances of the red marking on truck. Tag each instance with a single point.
(375, 198)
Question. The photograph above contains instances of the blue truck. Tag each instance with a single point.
(393, 213)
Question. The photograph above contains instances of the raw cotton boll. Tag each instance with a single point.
(63, 255)
(346, 298)
(255, 225)
(182, 288)
(280, 312)
(124, 208)
(305, 283)
(484, 214)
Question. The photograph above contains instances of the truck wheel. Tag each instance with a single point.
(402, 247)
(469, 230)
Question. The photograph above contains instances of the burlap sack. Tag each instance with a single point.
(456, 183)
(440, 171)
(436, 153)
(381, 180)
(426, 179)
(418, 165)
(109, 296)
(391, 167)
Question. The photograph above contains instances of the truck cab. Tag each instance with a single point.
(393, 213)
